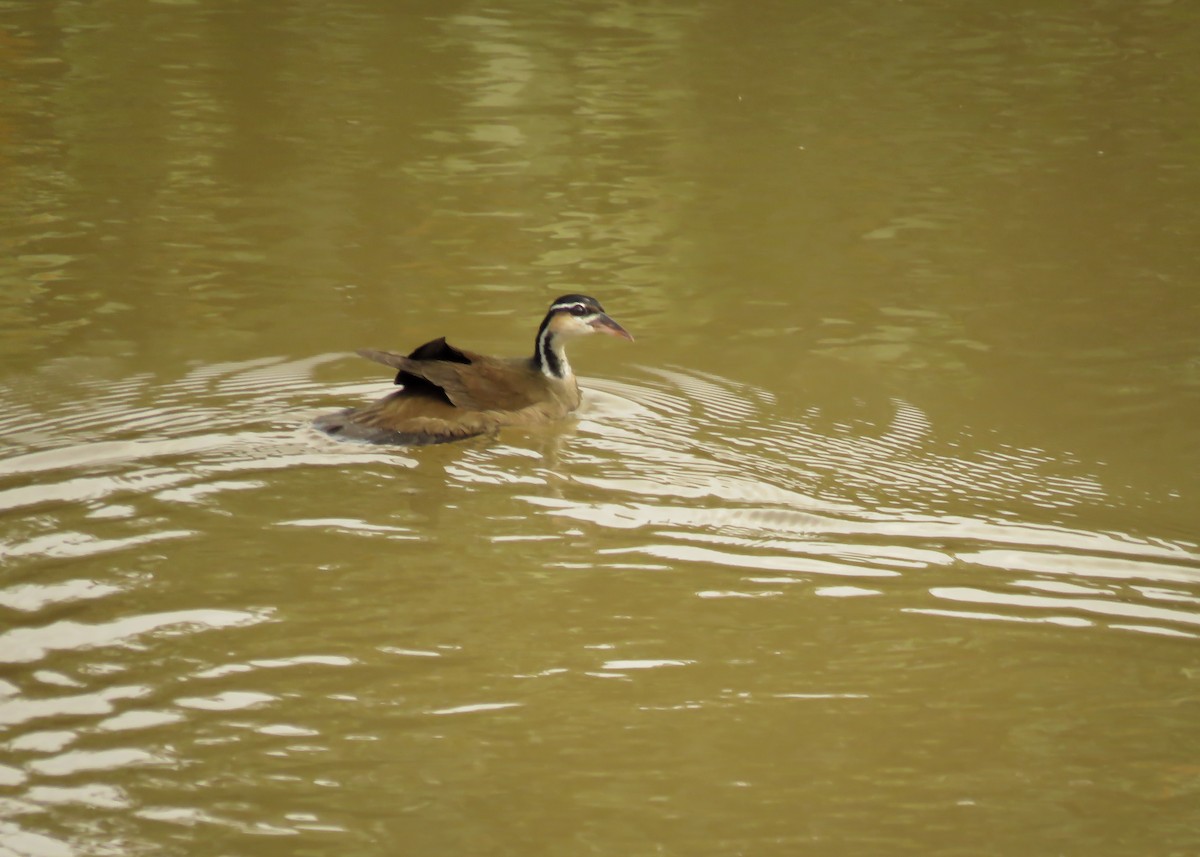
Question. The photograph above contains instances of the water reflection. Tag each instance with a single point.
(918, 570)
(694, 469)
(23, 645)
(745, 492)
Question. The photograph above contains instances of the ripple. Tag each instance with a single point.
(476, 708)
(720, 398)
(356, 527)
(226, 701)
(21, 710)
(758, 562)
(275, 663)
(23, 843)
(82, 761)
(644, 664)
(143, 719)
(1093, 606)
(24, 645)
(75, 544)
(1093, 563)
(33, 597)
(702, 468)
(42, 742)
(93, 795)
(710, 479)
(86, 489)
(685, 490)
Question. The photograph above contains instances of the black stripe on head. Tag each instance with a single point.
(576, 305)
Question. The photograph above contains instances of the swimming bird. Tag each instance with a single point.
(450, 394)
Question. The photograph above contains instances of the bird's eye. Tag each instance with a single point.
(579, 309)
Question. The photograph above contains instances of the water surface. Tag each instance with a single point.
(880, 539)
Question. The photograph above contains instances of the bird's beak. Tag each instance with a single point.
(603, 324)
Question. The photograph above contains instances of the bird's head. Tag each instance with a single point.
(580, 315)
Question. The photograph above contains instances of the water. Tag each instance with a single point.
(880, 538)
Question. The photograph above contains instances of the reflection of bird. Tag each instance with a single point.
(450, 394)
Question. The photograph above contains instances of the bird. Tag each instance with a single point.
(450, 394)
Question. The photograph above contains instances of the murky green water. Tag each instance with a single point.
(881, 539)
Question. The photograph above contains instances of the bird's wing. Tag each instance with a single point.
(470, 381)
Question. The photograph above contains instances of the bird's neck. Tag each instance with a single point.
(549, 356)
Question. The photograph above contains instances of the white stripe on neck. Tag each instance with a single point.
(551, 356)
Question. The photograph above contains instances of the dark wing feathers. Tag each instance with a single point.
(440, 349)
(461, 378)
(414, 384)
